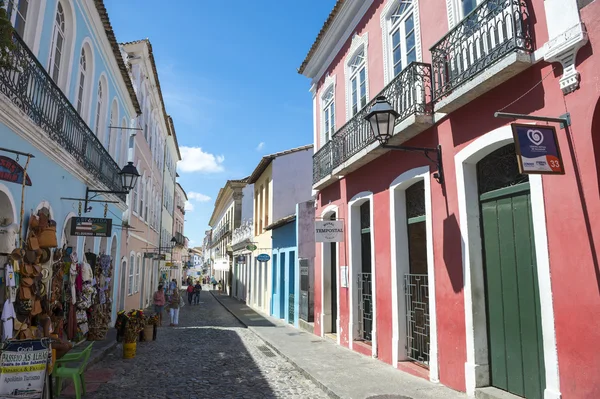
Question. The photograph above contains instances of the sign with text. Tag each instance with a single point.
(537, 149)
(11, 171)
(263, 258)
(240, 259)
(92, 227)
(329, 231)
(23, 366)
(251, 247)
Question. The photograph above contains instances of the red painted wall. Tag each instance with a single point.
(572, 206)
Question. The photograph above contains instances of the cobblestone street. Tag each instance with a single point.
(209, 355)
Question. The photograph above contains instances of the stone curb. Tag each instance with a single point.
(302, 371)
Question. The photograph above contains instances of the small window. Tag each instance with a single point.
(82, 80)
(137, 274)
(21, 15)
(358, 82)
(402, 37)
(58, 40)
(99, 102)
(329, 113)
(130, 279)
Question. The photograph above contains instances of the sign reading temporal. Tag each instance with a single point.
(329, 231)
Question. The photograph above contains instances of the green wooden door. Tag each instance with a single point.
(512, 292)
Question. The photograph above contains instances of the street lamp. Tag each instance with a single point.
(129, 176)
(382, 120)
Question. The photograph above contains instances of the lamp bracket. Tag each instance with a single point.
(97, 193)
(428, 152)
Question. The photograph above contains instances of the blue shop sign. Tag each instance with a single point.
(263, 258)
(537, 149)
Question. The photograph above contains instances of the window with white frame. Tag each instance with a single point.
(99, 104)
(130, 277)
(138, 267)
(358, 82)
(20, 15)
(107, 136)
(328, 114)
(402, 32)
(142, 193)
(82, 80)
(459, 9)
(466, 6)
(58, 40)
(147, 201)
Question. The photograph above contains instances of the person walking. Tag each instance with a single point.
(174, 306)
(197, 289)
(190, 292)
(159, 303)
(214, 283)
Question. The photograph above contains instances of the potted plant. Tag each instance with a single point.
(136, 321)
(150, 328)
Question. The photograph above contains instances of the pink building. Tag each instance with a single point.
(143, 221)
(487, 279)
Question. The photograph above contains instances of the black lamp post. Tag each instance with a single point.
(129, 177)
(382, 119)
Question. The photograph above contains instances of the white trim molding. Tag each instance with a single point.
(354, 262)
(326, 319)
(385, 23)
(358, 42)
(477, 366)
(329, 83)
(567, 35)
(400, 261)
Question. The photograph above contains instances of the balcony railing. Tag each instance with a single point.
(409, 93)
(491, 31)
(220, 233)
(27, 84)
(179, 239)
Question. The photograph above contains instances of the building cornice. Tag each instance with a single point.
(335, 32)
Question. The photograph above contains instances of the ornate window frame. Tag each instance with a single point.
(358, 43)
(386, 31)
(328, 84)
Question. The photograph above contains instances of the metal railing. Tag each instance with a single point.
(409, 93)
(491, 31)
(179, 239)
(416, 290)
(27, 84)
(365, 307)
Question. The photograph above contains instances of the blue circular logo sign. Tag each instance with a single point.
(263, 258)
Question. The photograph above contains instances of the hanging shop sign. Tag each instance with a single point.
(263, 258)
(222, 264)
(23, 369)
(240, 259)
(251, 247)
(11, 171)
(149, 255)
(537, 149)
(93, 227)
(329, 230)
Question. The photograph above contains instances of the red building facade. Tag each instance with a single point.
(490, 278)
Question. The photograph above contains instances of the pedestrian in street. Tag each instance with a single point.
(197, 289)
(174, 306)
(214, 283)
(159, 303)
(190, 292)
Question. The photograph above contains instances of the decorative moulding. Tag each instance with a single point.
(563, 48)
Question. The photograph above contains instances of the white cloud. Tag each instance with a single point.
(189, 206)
(260, 146)
(196, 160)
(198, 197)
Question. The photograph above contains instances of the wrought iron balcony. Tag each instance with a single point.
(220, 234)
(409, 93)
(179, 239)
(27, 84)
(491, 31)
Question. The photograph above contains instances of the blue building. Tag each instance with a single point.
(67, 100)
(284, 269)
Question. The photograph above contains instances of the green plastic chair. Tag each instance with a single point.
(75, 373)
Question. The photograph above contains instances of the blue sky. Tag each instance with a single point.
(229, 80)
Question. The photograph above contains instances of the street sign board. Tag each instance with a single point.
(240, 259)
(263, 258)
(537, 149)
(329, 231)
(91, 227)
(11, 171)
(251, 247)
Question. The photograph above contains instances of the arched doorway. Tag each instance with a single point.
(8, 223)
(329, 284)
(515, 344)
